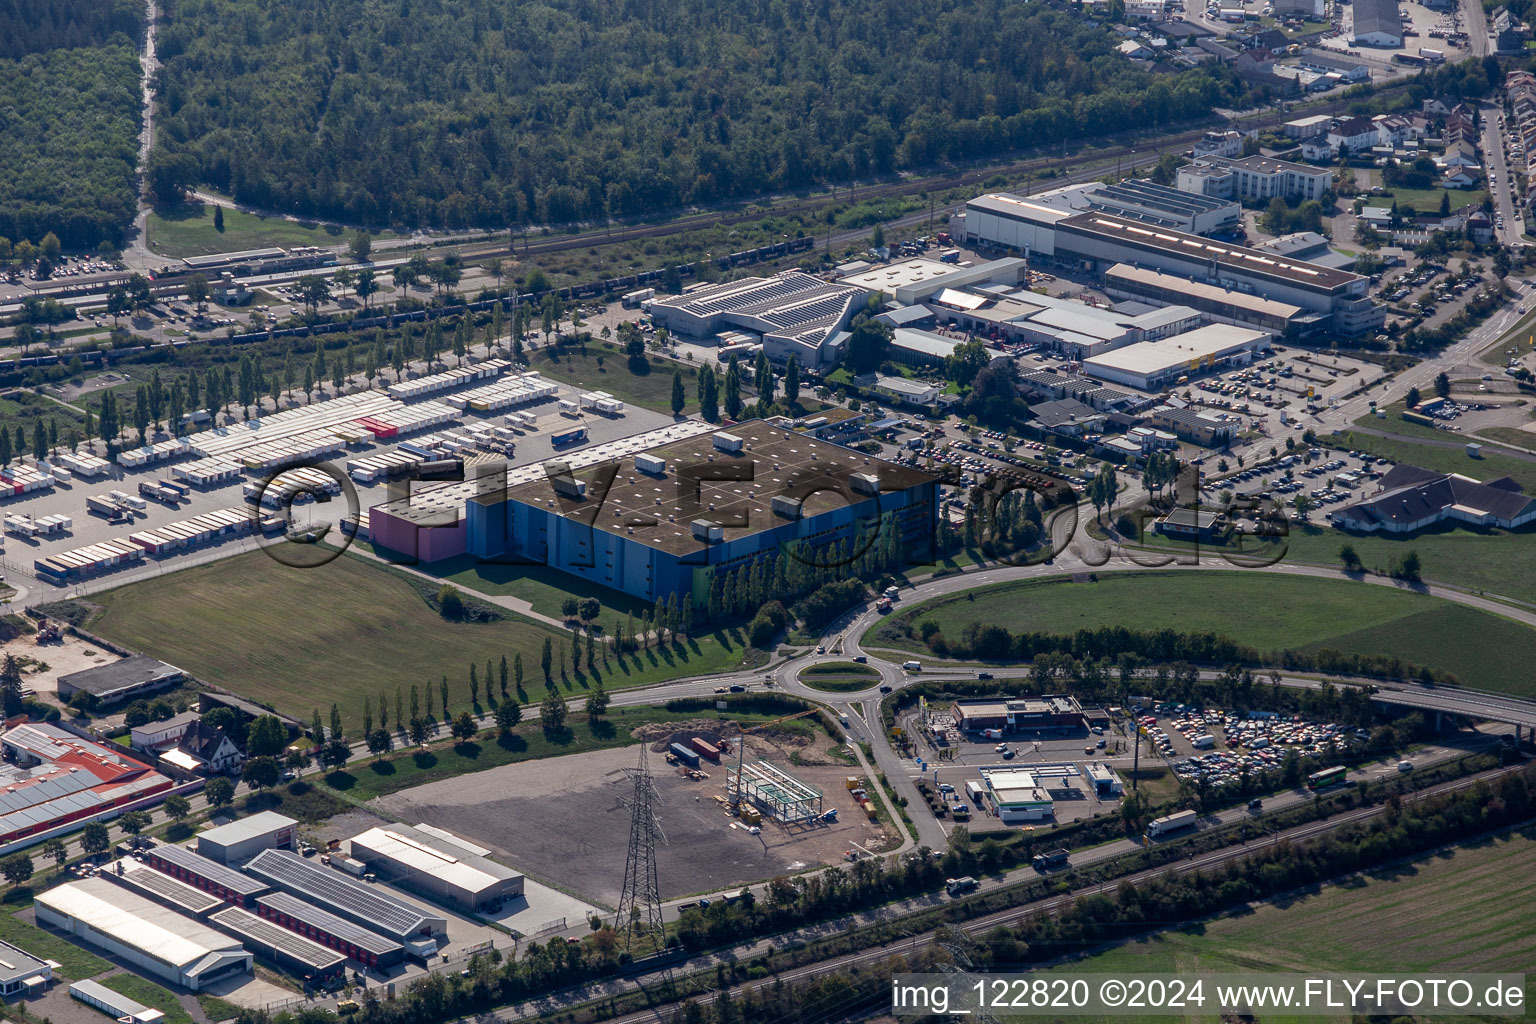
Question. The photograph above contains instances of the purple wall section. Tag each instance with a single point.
(432, 544)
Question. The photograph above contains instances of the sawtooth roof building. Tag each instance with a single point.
(1411, 498)
(794, 312)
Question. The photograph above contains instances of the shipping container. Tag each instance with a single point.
(706, 749)
(633, 299)
(577, 436)
(567, 407)
(685, 755)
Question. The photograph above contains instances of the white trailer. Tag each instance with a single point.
(1172, 823)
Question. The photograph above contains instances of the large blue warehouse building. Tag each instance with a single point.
(655, 519)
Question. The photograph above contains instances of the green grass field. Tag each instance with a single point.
(1453, 459)
(1450, 912)
(651, 389)
(1509, 435)
(142, 990)
(75, 961)
(302, 639)
(839, 676)
(189, 231)
(1266, 611)
(543, 588)
(1498, 562)
(1427, 200)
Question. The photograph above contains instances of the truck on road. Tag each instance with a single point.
(961, 886)
(1051, 860)
(1172, 823)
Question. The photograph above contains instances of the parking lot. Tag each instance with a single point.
(1219, 748)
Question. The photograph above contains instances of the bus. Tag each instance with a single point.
(1327, 777)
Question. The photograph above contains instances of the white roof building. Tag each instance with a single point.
(437, 864)
(153, 938)
(1148, 365)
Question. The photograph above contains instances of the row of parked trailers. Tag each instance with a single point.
(79, 563)
(601, 401)
(209, 472)
(369, 468)
(161, 451)
(24, 480)
(400, 420)
(211, 527)
(411, 389)
(291, 485)
(82, 464)
(517, 390)
(47, 526)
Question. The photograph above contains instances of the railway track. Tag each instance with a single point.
(1051, 905)
(1129, 155)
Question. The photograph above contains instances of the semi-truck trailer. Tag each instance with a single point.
(1172, 823)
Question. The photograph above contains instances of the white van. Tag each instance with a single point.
(912, 666)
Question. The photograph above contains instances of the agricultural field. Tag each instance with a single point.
(188, 230)
(298, 639)
(1263, 610)
(839, 676)
(1376, 923)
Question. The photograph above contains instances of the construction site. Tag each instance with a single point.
(766, 803)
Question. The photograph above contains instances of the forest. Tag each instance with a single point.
(69, 71)
(487, 112)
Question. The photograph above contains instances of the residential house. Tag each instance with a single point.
(1067, 416)
(1255, 60)
(1352, 135)
(1507, 33)
(1226, 144)
(1135, 49)
(1312, 127)
(204, 750)
(1458, 179)
(1462, 155)
(1394, 129)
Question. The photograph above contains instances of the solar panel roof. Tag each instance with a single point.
(329, 887)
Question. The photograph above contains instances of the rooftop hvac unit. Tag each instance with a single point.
(728, 442)
(650, 464)
(707, 531)
(864, 483)
(786, 506)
